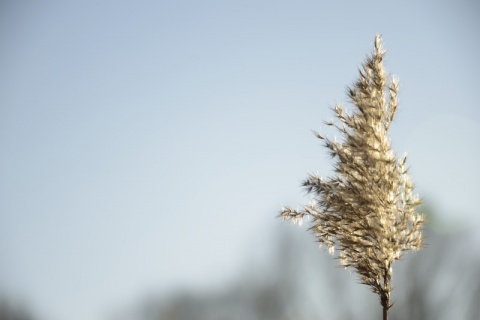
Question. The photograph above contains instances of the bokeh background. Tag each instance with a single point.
(147, 146)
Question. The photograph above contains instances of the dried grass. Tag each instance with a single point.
(367, 211)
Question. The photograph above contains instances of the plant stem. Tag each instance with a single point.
(386, 293)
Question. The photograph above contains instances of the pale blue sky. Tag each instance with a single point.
(148, 145)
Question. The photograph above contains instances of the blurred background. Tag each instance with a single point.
(147, 147)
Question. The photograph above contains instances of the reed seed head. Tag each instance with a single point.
(367, 210)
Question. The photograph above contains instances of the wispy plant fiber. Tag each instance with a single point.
(367, 210)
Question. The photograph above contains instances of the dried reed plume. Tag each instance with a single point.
(367, 210)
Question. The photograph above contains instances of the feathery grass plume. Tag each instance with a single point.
(367, 210)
